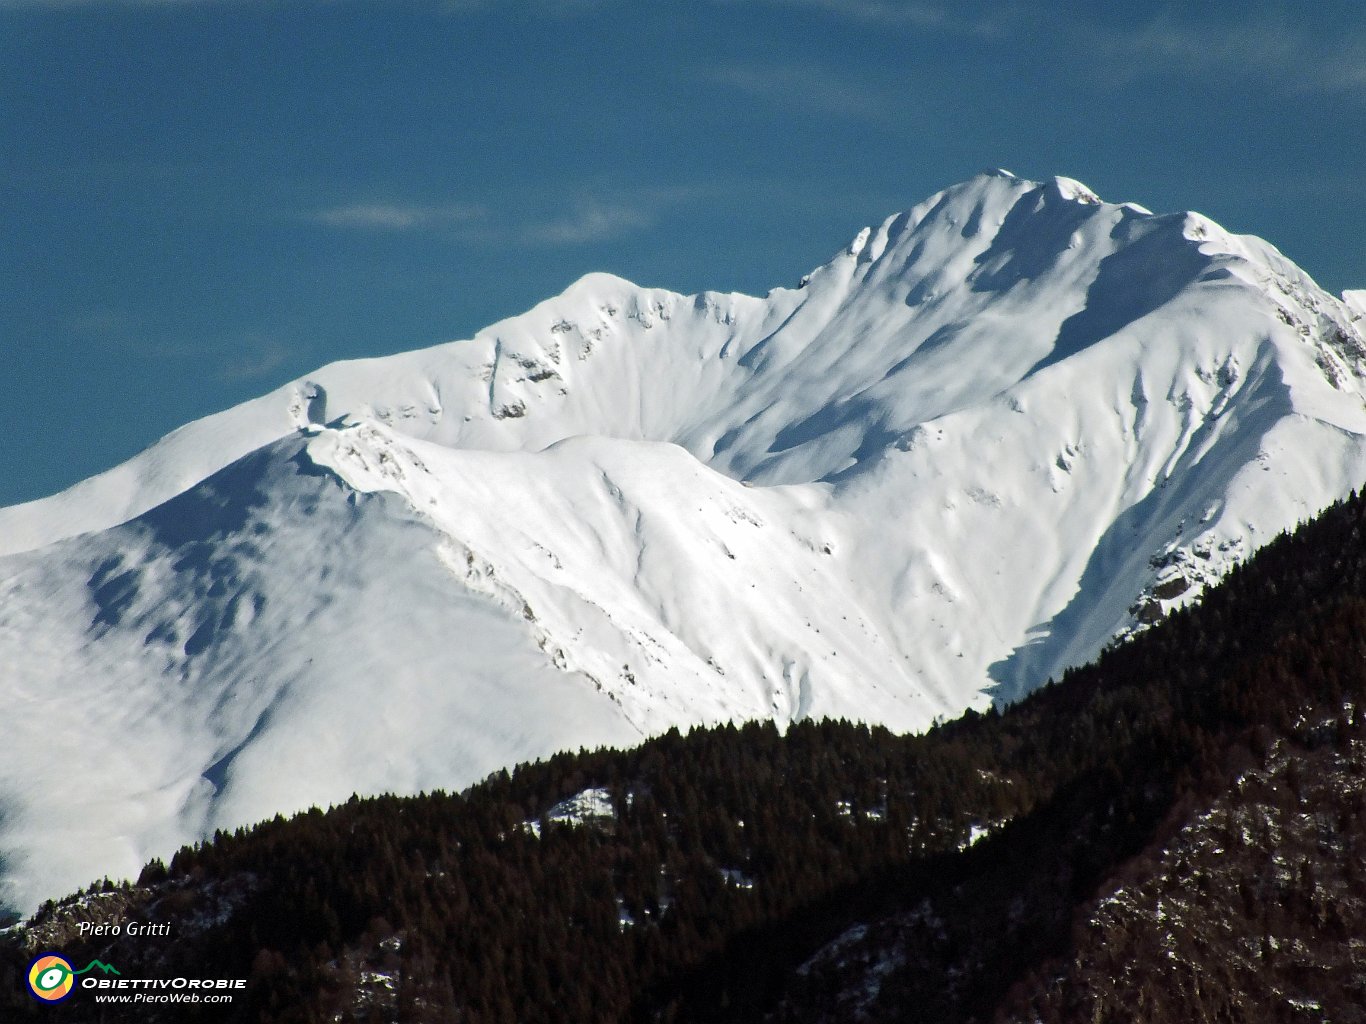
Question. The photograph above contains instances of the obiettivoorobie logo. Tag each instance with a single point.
(51, 978)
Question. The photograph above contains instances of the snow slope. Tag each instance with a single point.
(993, 433)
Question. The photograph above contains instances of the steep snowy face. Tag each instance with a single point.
(992, 434)
(940, 308)
(242, 648)
(937, 310)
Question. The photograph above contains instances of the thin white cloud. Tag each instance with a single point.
(130, 334)
(397, 216)
(957, 19)
(248, 355)
(559, 8)
(881, 12)
(99, 322)
(805, 88)
(589, 221)
(553, 8)
(255, 356)
(581, 221)
(71, 5)
(1263, 46)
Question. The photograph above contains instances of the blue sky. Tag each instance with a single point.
(206, 198)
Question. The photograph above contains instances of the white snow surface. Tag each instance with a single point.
(962, 457)
(591, 805)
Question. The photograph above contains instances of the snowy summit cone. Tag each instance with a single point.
(990, 435)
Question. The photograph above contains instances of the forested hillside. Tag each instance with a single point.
(1175, 833)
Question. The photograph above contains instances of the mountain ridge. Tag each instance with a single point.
(234, 436)
(991, 435)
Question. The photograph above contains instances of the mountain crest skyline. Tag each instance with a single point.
(997, 432)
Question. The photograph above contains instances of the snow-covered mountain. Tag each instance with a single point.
(993, 433)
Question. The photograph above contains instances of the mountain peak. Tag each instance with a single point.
(995, 432)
